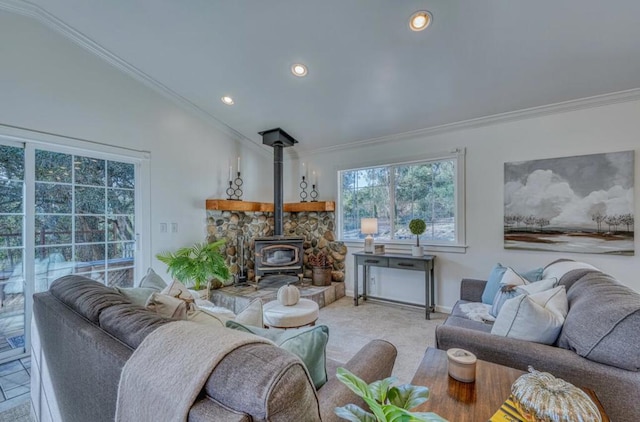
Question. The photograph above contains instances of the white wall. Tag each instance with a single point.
(595, 130)
(50, 84)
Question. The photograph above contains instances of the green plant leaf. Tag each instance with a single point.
(408, 396)
(354, 413)
(199, 263)
(354, 383)
(379, 389)
(427, 417)
(375, 407)
(395, 414)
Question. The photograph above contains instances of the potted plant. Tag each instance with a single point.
(321, 269)
(386, 402)
(417, 227)
(197, 265)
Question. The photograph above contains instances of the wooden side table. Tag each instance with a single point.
(469, 402)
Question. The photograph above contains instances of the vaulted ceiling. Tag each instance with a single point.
(369, 75)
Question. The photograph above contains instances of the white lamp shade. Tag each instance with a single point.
(369, 225)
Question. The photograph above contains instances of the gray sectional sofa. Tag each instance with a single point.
(83, 333)
(598, 347)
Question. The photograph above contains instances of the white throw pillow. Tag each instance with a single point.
(251, 315)
(537, 286)
(537, 317)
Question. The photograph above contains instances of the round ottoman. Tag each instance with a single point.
(276, 315)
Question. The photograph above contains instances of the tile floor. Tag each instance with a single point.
(14, 382)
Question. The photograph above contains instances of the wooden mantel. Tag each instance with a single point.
(228, 205)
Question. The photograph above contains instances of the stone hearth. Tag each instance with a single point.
(238, 298)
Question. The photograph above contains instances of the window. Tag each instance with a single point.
(84, 209)
(395, 194)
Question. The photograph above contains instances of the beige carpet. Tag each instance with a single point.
(352, 327)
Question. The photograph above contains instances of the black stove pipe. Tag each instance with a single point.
(278, 197)
(278, 139)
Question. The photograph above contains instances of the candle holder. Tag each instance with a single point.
(314, 194)
(234, 191)
(303, 193)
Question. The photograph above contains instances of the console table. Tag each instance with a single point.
(396, 261)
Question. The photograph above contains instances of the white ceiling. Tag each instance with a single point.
(369, 75)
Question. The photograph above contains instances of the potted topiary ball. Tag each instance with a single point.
(417, 227)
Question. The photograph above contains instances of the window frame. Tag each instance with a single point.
(458, 155)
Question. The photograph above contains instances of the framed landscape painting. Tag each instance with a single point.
(581, 204)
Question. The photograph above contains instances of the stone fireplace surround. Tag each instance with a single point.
(316, 227)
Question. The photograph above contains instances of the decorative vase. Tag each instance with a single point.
(417, 251)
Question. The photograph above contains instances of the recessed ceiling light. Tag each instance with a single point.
(299, 69)
(420, 20)
(227, 100)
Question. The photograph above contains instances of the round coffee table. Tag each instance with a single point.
(277, 315)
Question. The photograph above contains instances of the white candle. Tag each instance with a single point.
(315, 178)
(230, 173)
(304, 170)
(238, 164)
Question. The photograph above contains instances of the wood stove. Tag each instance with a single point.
(278, 256)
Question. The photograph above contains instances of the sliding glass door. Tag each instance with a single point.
(12, 248)
(61, 213)
(84, 219)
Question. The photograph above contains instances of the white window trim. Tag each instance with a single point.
(401, 246)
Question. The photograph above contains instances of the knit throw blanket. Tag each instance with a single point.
(165, 374)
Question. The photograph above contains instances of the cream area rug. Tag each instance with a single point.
(352, 327)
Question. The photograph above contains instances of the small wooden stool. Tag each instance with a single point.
(277, 315)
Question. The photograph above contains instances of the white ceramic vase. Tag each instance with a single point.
(417, 251)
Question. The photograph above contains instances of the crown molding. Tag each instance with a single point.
(33, 11)
(510, 116)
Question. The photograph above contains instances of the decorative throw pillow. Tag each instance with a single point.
(309, 344)
(495, 277)
(537, 317)
(515, 288)
(137, 295)
(168, 306)
(152, 281)
(177, 289)
(202, 316)
(251, 315)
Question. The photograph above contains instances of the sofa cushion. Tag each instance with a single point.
(475, 311)
(130, 323)
(603, 324)
(496, 276)
(537, 317)
(85, 296)
(309, 344)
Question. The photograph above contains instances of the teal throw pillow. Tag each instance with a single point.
(495, 277)
(309, 344)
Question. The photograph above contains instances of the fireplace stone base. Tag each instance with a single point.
(238, 298)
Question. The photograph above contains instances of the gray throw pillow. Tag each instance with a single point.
(137, 295)
(153, 281)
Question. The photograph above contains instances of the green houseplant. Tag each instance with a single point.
(197, 264)
(386, 402)
(417, 227)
